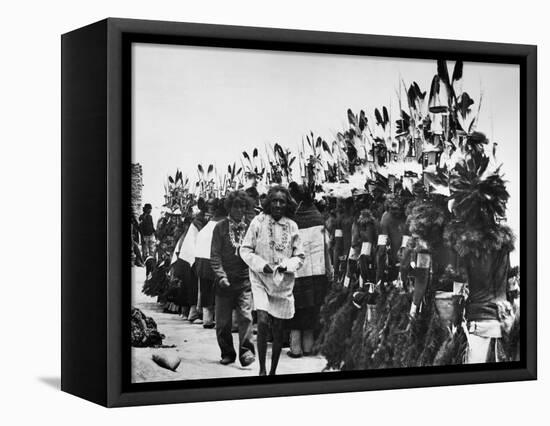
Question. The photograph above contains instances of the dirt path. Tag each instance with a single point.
(197, 348)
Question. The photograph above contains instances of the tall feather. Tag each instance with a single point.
(419, 93)
(403, 123)
(434, 89)
(378, 117)
(442, 71)
(386, 117)
(411, 97)
(464, 103)
(457, 72)
(318, 142)
(351, 118)
(362, 120)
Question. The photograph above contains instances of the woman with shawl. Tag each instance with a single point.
(202, 267)
(183, 260)
(273, 251)
(310, 286)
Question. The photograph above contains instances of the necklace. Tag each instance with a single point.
(236, 234)
(278, 246)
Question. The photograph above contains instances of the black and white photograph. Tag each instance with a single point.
(295, 212)
(301, 212)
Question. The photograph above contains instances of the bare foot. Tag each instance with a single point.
(262, 373)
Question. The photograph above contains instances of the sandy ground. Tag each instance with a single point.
(197, 348)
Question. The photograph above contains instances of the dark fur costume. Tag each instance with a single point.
(338, 316)
(468, 240)
(510, 342)
(335, 322)
(157, 281)
(427, 219)
(337, 341)
(393, 340)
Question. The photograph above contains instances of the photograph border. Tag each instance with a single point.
(119, 34)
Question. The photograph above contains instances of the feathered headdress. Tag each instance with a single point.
(478, 195)
(253, 167)
(427, 220)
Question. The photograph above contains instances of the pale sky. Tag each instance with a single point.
(206, 105)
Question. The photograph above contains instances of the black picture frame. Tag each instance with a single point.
(96, 126)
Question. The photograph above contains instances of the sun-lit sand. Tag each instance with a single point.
(197, 348)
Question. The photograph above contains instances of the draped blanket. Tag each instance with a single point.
(311, 228)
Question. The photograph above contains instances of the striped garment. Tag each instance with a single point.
(268, 294)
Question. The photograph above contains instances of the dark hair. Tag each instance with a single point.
(300, 193)
(220, 208)
(147, 206)
(201, 204)
(290, 203)
(217, 206)
(252, 192)
(238, 197)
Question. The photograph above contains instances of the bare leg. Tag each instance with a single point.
(277, 331)
(261, 341)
